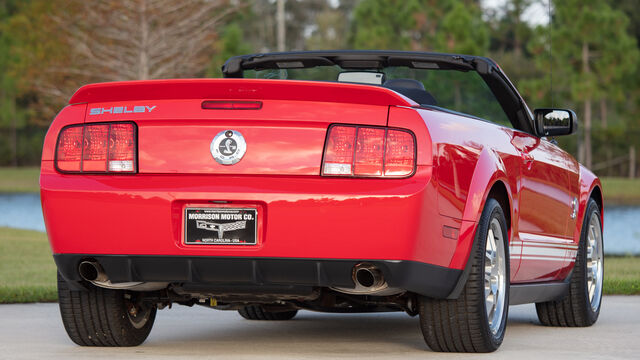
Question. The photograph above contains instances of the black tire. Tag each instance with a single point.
(257, 312)
(462, 324)
(100, 317)
(574, 310)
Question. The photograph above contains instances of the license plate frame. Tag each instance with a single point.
(220, 226)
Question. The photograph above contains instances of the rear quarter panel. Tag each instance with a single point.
(469, 156)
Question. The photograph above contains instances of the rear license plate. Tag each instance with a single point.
(220, 226)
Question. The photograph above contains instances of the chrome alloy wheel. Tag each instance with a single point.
(495, 281)
(595, 264)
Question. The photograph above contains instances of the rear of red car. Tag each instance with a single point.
(269, 196)
(333, 178)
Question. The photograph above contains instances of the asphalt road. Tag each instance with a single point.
(34, 331)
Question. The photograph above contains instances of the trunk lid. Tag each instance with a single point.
(284, 137)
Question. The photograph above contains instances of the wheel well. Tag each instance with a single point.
(596, 194)
(499, 193)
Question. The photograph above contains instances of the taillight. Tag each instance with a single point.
(122, 148)
(94, 152)
(97, 148)
(368, 151)
(69, 149)
(339, 150)
(399, 154)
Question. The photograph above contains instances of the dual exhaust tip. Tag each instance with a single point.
(92, 271)
(365, 276)
(368, 280)
(368, 276)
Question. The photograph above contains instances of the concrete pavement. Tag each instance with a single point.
(35, 331)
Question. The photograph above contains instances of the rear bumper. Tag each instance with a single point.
(424, 279)
(298, 216)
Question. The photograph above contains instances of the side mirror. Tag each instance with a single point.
(555, 122)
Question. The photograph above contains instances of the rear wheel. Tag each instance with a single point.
(476, 320)
(104, 317)
(581, 306)
(257, 312)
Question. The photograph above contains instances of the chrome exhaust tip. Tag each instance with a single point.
(92, 271)
(368, 276)
(368, 280)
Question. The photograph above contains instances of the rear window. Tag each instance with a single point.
(459, 91)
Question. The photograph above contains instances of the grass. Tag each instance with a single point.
(27, 270)
(28, 273)
(19, 180)
(622, 275)
(621, 191)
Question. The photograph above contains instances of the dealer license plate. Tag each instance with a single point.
(220, 226)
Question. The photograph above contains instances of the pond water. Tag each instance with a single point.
(22, 211)
(621, 223)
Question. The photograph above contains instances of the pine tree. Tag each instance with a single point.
(421, 25)
(592, 52)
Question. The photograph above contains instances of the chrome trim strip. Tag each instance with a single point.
(527, 237)
(543, 258)
(529, 251)
(555, 246)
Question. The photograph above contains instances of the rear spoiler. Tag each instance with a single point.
(239, 89)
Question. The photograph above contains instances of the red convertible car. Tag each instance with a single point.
(340, 181)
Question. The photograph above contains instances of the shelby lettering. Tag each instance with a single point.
(121, 110)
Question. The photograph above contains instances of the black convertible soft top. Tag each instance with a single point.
(504, 91)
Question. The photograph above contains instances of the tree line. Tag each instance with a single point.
(585, 57)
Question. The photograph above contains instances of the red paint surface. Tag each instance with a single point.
(305, 217)
(239, 89)
(301, 214)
